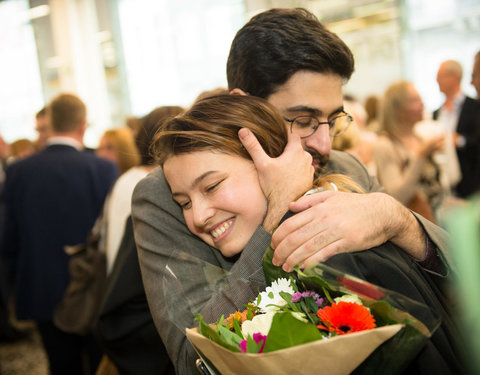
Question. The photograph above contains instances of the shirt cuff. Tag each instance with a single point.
(432, 262)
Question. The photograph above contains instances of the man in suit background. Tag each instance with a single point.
(460, 115)
(476, 74)
(52, 199)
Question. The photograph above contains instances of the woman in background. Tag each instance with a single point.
(118, 145)
(405, 165)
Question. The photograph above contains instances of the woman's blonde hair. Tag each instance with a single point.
(213, 124)
(393, 102)
(125, 148)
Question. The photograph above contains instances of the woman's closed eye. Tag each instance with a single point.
(214, 186)
(185, 205)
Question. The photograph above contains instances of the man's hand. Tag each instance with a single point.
(283, 179)
(330, 223)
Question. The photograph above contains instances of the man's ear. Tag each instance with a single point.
(238, 91)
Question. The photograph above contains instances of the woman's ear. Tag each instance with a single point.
(238, 91)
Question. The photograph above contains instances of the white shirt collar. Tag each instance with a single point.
(68, 141)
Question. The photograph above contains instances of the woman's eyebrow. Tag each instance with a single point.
(195, 182)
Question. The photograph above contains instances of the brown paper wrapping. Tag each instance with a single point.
(334, 356)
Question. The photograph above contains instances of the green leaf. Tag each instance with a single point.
(222, 336)
(272, 272)
(229, 338)
(252, 346)
(236, 327)
(287, 331)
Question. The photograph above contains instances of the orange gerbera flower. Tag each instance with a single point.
(345, 317)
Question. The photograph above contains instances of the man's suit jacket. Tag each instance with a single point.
(52, 200)
(174, 261)
(469, 154)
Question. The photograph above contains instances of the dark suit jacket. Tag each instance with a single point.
(125, 327)
(52, 199)
(468, 155)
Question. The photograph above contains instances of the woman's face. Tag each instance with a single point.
(220, 196)
(413, 106)
(106, 150)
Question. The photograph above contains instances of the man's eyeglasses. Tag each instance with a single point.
(305, 126)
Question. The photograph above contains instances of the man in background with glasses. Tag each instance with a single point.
(289, 58)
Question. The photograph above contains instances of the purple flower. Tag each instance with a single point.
(319, 302)
(296, 297)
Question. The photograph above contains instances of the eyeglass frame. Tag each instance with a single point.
(330, 123)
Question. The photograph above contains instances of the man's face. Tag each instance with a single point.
(448, 82)
(43, 130)
(476, 76)
(314, 94)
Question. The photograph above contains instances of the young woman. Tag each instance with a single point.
(215, 183)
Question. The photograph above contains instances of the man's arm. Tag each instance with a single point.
(330, 223)
(173, 264)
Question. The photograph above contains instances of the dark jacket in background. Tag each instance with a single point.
(52, 199)
(468, 155)
(125, 328)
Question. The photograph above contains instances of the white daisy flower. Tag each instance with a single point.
(271, 295)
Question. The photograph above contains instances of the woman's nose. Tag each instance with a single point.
(202, 212)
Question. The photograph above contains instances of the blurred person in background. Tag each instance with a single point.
(405, 165)
(22, 148)
(459, 115)
(357, 139)
(372, 104)
(52, 199)
(43, 129)
(125, 327)
(8, 332)
(118, 146)
(476, 74)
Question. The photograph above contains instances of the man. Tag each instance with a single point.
(42, 127)
(460, 115)
(289, 58)
(52, 199)
(476, 74)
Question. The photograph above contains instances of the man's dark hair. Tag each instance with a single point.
(276, 44)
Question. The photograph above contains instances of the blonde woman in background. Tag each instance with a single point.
(405, 166)
(118, 145)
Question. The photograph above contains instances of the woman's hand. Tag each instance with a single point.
(431, 145)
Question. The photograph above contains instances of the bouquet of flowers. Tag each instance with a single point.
(318, 320)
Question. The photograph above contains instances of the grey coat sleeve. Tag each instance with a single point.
(174, 265)
(342, 162)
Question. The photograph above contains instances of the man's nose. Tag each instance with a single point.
(320, 140)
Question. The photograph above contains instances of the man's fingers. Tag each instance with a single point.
(307, 201)
(253, 147)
